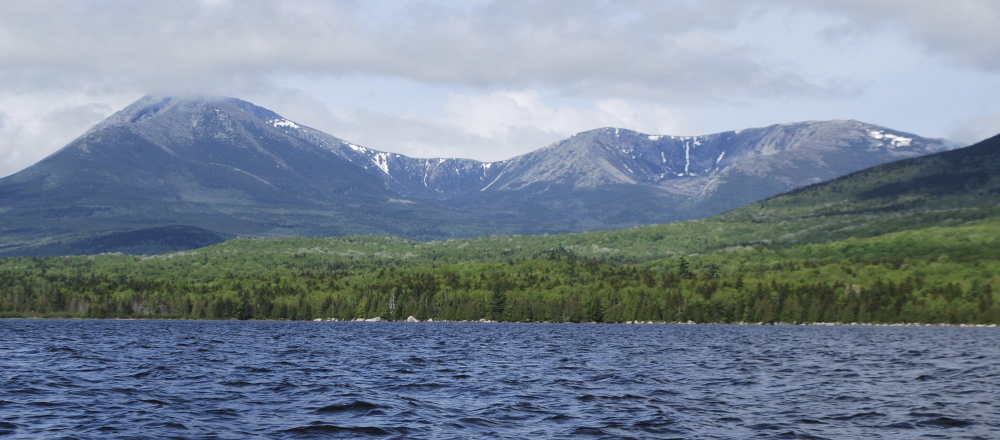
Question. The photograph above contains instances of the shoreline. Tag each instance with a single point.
(485, 321)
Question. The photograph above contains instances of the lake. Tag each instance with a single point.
(211, 379)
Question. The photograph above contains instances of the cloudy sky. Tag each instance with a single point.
(492, 79)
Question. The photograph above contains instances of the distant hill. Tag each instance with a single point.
(934, 190)
(972, 172)
(174, 173)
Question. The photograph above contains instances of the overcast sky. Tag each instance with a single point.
(492, 79)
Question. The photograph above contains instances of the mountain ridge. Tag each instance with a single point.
(227, 167)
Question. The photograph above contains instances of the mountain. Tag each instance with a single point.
(913, 241)
(614, 178)
(680, 178)
(219, 167)
(171, 173)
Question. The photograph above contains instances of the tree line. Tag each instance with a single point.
(555, 286)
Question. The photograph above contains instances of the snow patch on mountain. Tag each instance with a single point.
(894, 140)
(687, 157)
(381, 161)
(278, 123)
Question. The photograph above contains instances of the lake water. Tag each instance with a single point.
(106, 379)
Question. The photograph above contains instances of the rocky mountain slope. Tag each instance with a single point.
(171, 173)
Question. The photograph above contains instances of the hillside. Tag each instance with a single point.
(912, 241)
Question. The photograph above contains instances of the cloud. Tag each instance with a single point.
(515, 122)
(491, 126)
(636, 49)
(34, 133)
(961, 31)
(656, 49)
(498, 113)
(976, 128)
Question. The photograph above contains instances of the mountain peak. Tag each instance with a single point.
(164, 105)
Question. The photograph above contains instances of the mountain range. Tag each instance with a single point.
(175, 173)
(912, 241)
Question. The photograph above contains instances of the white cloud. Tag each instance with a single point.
(495, 114)
(508, 118)
(31, 129)
(593, 47)
(491, 126)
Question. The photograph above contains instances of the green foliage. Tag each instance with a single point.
(498, 303)
(939, 274)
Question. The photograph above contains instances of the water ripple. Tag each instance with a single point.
(100, 379)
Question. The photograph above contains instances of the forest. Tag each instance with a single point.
(929, 275)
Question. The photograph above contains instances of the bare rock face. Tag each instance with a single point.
(170, 173)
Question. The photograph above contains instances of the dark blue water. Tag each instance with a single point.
(107, 379)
